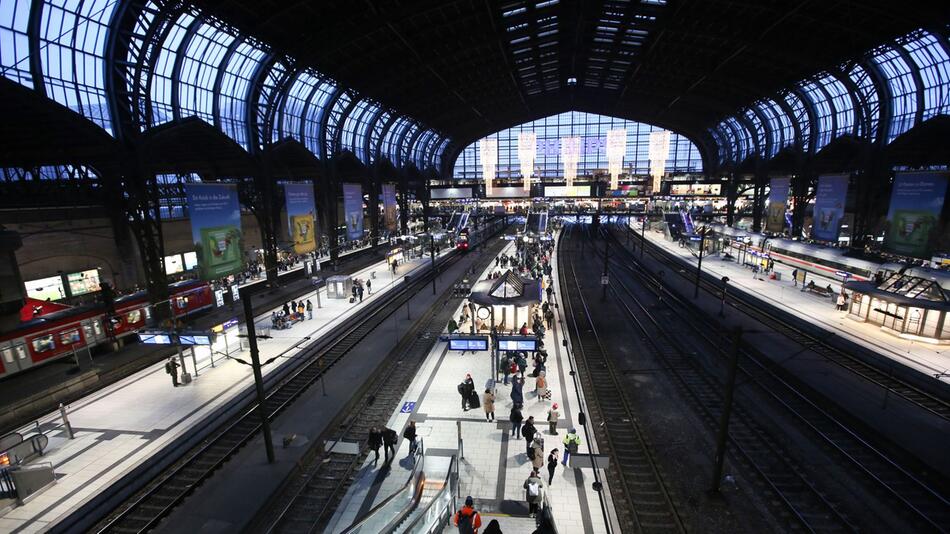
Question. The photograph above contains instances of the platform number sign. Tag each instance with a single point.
(407, 407)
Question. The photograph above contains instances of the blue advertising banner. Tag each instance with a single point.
(390, 210)
(301, 217)
(830, 197)
(775, 212)
(353, 210)
(914, 216)
(216, 229)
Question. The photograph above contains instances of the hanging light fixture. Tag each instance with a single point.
(659, 149)
(616, 148)
(489, 153)
(527, 146)
(570, 153)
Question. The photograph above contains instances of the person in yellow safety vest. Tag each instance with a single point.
(571, 443)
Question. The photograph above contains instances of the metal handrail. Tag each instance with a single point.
(417, 472)
(451, 486)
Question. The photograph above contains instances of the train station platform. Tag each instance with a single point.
(31, 394)
(121, 426)
(494, 464)
(929, 359)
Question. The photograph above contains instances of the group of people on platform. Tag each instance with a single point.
(291, 313)
(359, 288)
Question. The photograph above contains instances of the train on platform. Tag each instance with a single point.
(61, 334)
(831, 262)
(462, 241)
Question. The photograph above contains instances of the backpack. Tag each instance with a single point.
(461, 388)
(534, 489)
(465, 523)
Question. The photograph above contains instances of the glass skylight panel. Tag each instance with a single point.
(294, 105)
(903, 90)
(14, 43)
(235, 84)
(869, 100)
(821, 105)
(933, 63)
(199, 70)
(843, 105)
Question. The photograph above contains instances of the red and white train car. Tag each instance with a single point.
(60, 334)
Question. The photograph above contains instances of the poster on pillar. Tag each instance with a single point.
(353, 210)
(913, 220)
(216, 229)
(301, 217)
(390, 208)
(778, 197)
(830, 198)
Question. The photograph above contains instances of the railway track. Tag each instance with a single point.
(646, 500)
(197, 465)
(312, 499)
(924, 506)
(881, 378)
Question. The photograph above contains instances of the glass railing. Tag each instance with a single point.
(387, 515)
(442, 506)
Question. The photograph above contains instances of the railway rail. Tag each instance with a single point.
(144, 511)
(647, 502)
(312, 499)
(881, 378)
(924, 505)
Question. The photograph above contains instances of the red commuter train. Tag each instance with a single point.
(60, 334)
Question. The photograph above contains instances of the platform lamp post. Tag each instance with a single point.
(643, 232)
(722, 303)
(726, 411)
(605, 278)
(258, 378)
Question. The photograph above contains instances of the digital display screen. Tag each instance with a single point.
(155, 339)
(191, 260)
(468, 344)
(83, 282)
(524, 344)
(173, 264)
(46, 288)
(190, 339)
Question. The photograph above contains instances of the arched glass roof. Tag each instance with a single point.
(592, 129)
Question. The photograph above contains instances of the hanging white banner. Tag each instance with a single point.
(659, 150)
(616, 148)
(527, 146)
(489, 153)
(571, 154)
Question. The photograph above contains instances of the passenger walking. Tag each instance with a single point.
(489, 404)
(842, 300)
(553, 416)
(517, 393)
(795, 277)
(353, 293)
(537, 452)
(467, 519)
(309, 310)
(541, 386)
(549, 318)
(515, 417)
(550, 291)
(375, 441)
(532, 491)
(171, 367)
(505, 365)
(410, 434)
(389, 440)
(527, 432)
(571, 443)
(359, 291)
(552, 466)
(369, 285)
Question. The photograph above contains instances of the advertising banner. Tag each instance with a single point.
(830, 197)
(775, 212)
(216, 229)
(353, 210)
(390, 209)
(301, 217)
(527, 147)
(914, 216)
(445, 193)
(616, 148)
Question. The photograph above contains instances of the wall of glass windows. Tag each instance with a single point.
(683, 156)
(179, 62)
(914, 85)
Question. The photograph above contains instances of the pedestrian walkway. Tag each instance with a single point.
(495, 464)
(121, 426)
(932, 360)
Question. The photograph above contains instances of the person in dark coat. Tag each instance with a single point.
(410, 434)
(527, 432)
(517, 391)
(390, 437)
(375, 441)
(516, 418)
(171, 367)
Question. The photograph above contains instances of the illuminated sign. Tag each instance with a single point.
(469, 343)
(518, 343)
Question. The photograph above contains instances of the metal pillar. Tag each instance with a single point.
(258, 378)
(726, 411)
